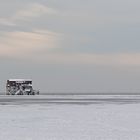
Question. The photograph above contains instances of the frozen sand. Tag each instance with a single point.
(103, 121)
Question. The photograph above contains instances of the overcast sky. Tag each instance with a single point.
(71, 45)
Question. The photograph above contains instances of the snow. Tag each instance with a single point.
(65, 121)
(20, 80)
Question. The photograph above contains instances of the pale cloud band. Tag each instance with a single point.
(22, 44)
(33, 10)
(120, 59)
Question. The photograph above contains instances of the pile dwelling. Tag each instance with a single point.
(20, 87)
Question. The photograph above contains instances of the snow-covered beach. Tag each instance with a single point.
(70, 118)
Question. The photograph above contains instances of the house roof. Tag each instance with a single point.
(20, 80)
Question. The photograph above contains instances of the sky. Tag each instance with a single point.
(71, 45)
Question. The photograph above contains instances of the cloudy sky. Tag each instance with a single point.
(71, 45)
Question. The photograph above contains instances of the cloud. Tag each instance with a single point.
(34, 10)
(30, 11)
(7, 22)
(21, 44)
(118, 59)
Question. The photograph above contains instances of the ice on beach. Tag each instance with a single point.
(70, 122)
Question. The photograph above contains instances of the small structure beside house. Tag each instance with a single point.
(20, 87)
